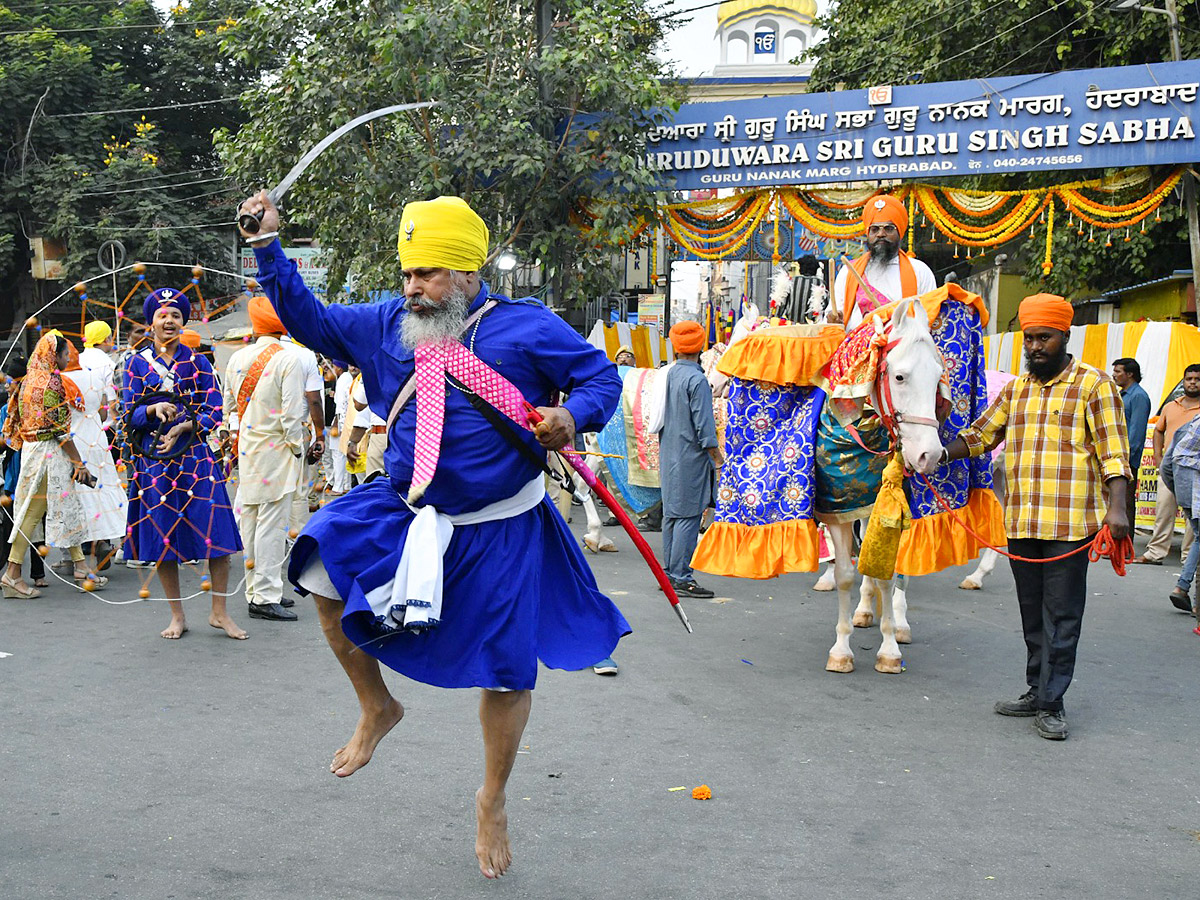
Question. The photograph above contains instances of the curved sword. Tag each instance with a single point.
(250, 224)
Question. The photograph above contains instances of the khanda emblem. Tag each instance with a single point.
(165, 298)
(409, 229)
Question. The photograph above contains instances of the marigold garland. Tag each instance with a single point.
(721, 226)
(704, 792)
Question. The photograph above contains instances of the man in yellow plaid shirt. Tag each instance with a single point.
(1067, 459)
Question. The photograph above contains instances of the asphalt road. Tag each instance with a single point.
(134, 767)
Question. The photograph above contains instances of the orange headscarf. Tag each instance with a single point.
(885, 208)
(190, 338)
(263, 318)
(1046, 311)
(687, 337)
(40, 409)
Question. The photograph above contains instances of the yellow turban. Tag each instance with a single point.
(1045, 311)
(442, 234)
(96, 333)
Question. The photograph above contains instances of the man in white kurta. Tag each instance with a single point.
(271, 436)
(314, 409)
(891, 272)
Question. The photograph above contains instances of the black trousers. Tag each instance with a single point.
(1051, 597)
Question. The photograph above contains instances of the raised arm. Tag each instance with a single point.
(337, 330)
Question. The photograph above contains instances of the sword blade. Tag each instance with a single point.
(277, 193)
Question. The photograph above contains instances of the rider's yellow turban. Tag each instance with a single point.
(95, 333)
(442, 234)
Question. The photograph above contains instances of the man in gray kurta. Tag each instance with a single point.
(688, 457)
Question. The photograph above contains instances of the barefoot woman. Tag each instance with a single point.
(178, 507)
(460, 573)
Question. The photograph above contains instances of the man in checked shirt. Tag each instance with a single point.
(1068, 472)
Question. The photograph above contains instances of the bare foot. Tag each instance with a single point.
(367, 735)
(176, 629)
(491, 840)
(227, 625)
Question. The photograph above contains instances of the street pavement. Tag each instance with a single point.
(136, 767)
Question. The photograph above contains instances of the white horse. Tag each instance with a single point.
(914, 369)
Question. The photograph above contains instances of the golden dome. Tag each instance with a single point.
(733, 11)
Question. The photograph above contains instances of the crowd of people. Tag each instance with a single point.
(131, 455)
(461, 573)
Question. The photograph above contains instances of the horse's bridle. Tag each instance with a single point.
(891, 417)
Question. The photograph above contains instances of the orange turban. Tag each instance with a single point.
(885, 208)
(263, 318)
(1046, 311)
(190, 338)
(687, 337)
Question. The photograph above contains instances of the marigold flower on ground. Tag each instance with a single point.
(702, 793)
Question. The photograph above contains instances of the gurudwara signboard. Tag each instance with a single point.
(1088, 118)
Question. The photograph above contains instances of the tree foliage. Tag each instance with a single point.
(79, 174)
(871, 42)
(526, 130)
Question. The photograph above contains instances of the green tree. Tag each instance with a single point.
(80, 173)
(869, 42)
(527, 129)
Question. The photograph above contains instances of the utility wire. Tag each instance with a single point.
(50, 29)
(153, 187)
(138, 109)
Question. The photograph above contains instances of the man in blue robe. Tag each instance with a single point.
(467, 580)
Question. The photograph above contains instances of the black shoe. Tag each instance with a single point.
(648, 527)
(287, 602)
(1179, 599)
(612, 520)
(272, 611)
(1051, 724)
(1025, 706)
(691, 589)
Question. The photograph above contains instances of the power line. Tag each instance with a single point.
(49, 29)
(684, 12)
(153, 187)
(138, 109)
(171, 175)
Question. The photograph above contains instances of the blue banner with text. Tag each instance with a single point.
(1083, 119)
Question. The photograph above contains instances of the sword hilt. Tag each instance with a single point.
(250, 223)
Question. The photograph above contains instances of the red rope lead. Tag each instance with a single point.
(1102, 545)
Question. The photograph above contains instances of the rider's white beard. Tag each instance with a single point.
(443, 323)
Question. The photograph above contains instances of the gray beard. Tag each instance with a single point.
(443, 324)
(884, 252)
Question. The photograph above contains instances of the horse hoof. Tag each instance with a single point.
(969, 585)
(839, 664)
(590, 545)
(825, 583)
(607, 546)
(888, 665)
(903, 635)
(864, 619)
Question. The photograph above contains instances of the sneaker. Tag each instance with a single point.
(1051, 724)
(1024, 706)
(606, 666)
(691, 589)
(1180, 600)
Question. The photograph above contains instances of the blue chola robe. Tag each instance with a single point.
(515, 590)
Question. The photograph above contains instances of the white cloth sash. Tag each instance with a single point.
(167, 376)
(412, 600)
